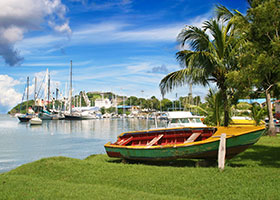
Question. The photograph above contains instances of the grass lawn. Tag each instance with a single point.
(254, 174)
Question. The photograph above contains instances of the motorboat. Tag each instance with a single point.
(183, 119)
(35, 121)
(73, 116)
(243, 121)
(24, 117)
(88, 115)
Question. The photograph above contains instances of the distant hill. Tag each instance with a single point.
(21, 108)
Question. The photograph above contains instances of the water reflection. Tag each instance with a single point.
(21, 143)
(97, 128)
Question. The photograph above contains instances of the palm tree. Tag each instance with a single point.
(214, 107)
(211, 58)
(257, 113)
(260, 30)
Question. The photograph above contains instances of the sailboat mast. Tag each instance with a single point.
(46, 87)
(70, 89)
(49, 85)
(35, 88)
(27, 93)
(65, 97)
(80, 99)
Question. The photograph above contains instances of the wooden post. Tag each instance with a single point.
(222, 152)
(156, 120)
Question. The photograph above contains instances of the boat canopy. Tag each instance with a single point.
(181, 114)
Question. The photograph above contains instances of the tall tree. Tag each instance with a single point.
(260, 54)
(211, 58)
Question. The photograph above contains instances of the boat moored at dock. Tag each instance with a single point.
(183, 119)
(24, 117)
(35, 121)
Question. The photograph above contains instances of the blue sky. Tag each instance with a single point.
(122, 46)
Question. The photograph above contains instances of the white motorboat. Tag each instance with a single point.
(176, 119)
(183, 119)
(88, 115)
(35, 121)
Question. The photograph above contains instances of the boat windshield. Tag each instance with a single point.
(180, 120)
(195, 120)
(185, 120)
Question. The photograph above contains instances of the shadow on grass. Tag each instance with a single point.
(170, 163)
(261, 155)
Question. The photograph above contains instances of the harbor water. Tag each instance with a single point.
(21, 143)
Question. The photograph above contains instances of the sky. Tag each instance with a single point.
(120, 46)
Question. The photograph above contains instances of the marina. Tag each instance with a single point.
(21, 143)
(124, 99)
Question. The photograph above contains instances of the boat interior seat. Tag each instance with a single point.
(193, 137)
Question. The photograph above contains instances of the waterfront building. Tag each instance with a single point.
(106, 103)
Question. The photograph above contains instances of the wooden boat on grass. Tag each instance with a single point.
(174, 143)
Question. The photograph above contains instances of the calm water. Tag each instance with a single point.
(21, 143)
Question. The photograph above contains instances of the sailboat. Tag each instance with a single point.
(25, 117)
(45, 114)
(35, 120)
(71, 115)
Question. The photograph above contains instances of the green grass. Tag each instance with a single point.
(254, 174)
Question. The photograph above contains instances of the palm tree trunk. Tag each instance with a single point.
(271, 127)
(217, 110)
(226, 111)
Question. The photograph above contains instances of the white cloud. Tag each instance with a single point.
(9, 97)
(29, 45)
(12, 34)
(103, 33)
(56, 64)
(132, 78)
(106, 5)
(123, 32)
(110, 32)
(19, 17)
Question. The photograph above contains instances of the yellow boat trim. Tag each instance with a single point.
(230, 132)
(244, 122)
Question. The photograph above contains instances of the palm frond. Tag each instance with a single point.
(175, 79)
(196, 38)
(200, 65)
(217, 32)
(223, 13)
(187, 105)
(181, 77)
(233, 18)
(183, 57)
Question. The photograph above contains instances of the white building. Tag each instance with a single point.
(106, 103)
